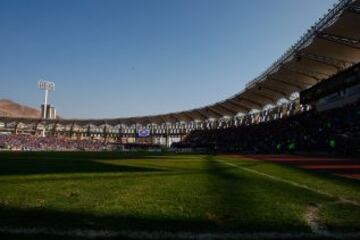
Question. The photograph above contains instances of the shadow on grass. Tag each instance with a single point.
(12, 163)
(92, 155)
(62, 220)
(239, 202)
(231, 205)
(247, 201)
(140, 174)
(25, 166)
(9, 236)
(328, 175)
(324, 174)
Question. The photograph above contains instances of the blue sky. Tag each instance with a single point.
(117, 58)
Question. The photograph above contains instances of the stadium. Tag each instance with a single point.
(277, 160)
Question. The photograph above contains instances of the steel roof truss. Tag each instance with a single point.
(349, 42)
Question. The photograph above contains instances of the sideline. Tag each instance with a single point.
(295, 184)
(311, 214)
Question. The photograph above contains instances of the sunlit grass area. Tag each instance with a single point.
(142, 192)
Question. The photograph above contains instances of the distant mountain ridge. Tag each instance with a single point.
(9, 108)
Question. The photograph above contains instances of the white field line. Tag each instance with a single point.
(312, 214)
(92, 234)
(295, 184)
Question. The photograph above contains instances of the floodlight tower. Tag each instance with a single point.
(48, 87)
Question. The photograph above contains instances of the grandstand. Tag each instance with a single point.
(331, 127)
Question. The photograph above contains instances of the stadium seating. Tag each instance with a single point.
(335, 131)
(38, 143)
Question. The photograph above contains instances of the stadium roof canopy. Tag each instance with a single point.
(328, 47)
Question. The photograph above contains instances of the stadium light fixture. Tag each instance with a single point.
(47, 86)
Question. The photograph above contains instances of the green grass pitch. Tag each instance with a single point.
(170, 196)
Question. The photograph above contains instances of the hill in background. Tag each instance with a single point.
(10, 108)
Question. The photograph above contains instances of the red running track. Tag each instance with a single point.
(346, 167)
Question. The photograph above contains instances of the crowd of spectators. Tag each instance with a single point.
(335, 131)
(38, 143)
